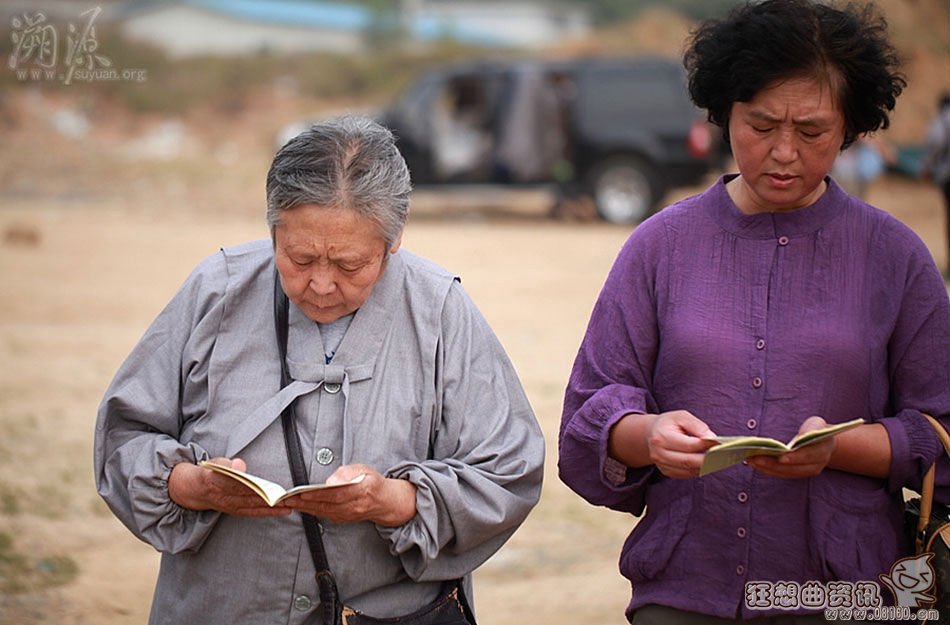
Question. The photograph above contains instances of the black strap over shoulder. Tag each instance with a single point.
(329, 595)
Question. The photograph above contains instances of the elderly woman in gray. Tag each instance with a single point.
(391, 373)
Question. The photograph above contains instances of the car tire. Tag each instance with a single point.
(624, 190)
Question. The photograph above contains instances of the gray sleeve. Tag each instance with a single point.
(160, 388)
(486, 468)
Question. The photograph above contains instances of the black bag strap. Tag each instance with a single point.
(927, 488)
(329, 595)
(463, 601)
(326, 583)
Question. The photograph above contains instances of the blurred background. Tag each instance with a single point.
(220, 83)
(134, 140)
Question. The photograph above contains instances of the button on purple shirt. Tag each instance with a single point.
(855, 318)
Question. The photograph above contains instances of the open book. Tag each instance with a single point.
(734, 449)
(270, 492)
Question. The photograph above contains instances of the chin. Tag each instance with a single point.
(325, 316)
(321, 315)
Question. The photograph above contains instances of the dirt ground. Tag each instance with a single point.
(95, 237)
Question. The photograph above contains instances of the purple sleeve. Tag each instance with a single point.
(611, 375)
(919, 353)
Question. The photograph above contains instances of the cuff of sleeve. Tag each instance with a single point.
(406, 541)
(914, 447)
(165, 524)
(616, 474)
(583, 462)
(191, 454)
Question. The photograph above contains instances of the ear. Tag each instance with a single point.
(396, 244)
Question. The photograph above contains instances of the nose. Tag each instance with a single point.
(785, 149)
(322, 281)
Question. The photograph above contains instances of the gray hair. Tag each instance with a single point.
(346, 162)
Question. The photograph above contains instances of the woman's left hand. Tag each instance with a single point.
(385, 501)
(808, 461)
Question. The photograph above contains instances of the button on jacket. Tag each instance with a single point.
(419, 388)
(754, 323)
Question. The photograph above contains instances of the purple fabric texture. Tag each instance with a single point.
(754, 323)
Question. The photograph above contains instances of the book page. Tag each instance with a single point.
(272, 492)
(814, 436)
(296, 490)
(749, 442)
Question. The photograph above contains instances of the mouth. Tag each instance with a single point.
(782, 180)
(320, 306)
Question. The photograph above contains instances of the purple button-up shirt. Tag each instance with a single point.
(754, 323)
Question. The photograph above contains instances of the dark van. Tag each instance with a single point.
(621, 130)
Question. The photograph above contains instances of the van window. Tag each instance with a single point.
(613, 94)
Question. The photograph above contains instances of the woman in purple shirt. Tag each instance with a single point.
(771, 304)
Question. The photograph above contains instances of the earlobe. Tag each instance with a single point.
(395, 247)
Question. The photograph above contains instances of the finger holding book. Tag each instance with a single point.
(674, 441)
(198, 488)
(807, 461)
(386, 501)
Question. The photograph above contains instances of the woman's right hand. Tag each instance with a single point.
(198, 488)
(673, 441)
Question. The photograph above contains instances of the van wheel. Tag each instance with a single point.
(623, 190)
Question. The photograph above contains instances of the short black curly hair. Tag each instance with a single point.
(759, 43)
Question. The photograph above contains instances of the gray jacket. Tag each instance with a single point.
(420, 388)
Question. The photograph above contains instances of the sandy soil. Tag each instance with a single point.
(94, 239)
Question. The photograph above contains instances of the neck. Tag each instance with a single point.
(745, 201)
